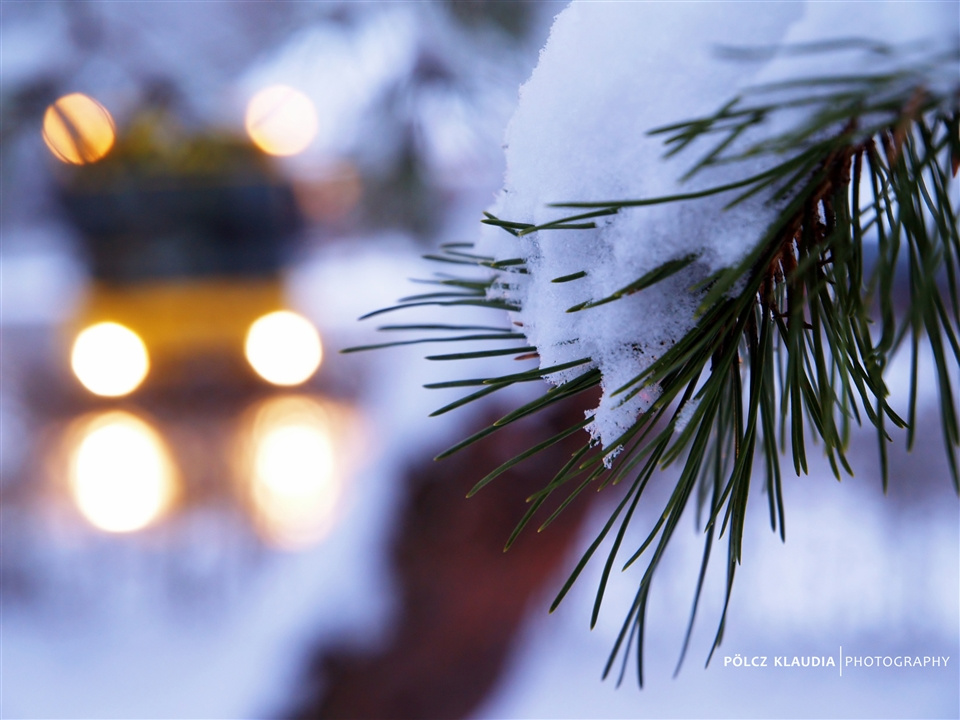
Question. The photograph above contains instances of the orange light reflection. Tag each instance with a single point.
(292, 476)
(121, 474)
(330, 196)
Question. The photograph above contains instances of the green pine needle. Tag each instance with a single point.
(790, 344)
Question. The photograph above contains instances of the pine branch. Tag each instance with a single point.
(785, 345)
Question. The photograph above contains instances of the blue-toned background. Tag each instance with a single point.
(368, 589)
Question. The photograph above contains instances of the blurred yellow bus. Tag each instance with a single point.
(185, 234)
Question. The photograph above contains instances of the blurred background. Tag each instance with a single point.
(208, 512)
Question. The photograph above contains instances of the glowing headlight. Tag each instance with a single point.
(284, 348)
(121, 475)
(109, 359)
(77, 129)
(281, 120)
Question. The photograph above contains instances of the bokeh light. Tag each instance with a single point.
(109, 359)
(292, 474)
(121, 474)
(331, 195)
(284, 348)
(78, 130)
(281, 120)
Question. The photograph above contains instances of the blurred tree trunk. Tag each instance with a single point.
(462, 598)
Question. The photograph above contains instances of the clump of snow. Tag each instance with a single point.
(609, 73)
(686, 413)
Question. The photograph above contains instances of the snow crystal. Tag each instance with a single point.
(609, 73)
(686, 413)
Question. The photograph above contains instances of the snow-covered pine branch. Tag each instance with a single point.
(690, 189)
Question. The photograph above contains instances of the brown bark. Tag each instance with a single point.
(462, 599)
